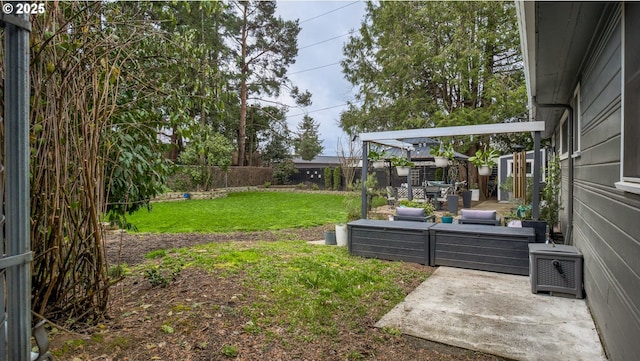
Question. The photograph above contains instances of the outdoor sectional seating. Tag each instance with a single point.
(412, 214)
(479, 216)
(390, 240)
(496, 249)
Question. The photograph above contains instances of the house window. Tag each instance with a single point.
(630, 159)
(564, 135)
(528, 171)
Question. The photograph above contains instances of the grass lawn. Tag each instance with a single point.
(244, 211)
(283, 300)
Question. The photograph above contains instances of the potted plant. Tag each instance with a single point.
(485, 159)
(330, 237)
(475, 192)
(442, 155)
(466, 196)
(376, 159)
(403, 165)
(447, 217)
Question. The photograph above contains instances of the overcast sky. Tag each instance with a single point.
(325, 26)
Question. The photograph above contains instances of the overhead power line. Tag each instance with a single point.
(328, 12)
(324, 41)
(317, 110)
(316, 68)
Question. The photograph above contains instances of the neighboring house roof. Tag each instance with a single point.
(317, 162)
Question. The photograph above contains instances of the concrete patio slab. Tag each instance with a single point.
(496, 314)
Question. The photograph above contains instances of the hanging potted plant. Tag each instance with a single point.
(403, 165)
(442, 155)
(485, 160)
(376, 159)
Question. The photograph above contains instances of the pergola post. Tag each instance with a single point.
(537, 160)
(409, 190)
(365, 165)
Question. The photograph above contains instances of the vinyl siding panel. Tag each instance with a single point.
(605, 220)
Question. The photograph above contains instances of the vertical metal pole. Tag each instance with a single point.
(409, 189)
(365, 165)
(16, 129)
(537, 161)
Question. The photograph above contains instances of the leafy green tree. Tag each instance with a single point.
(181, 66)
(431, 64)
(282, 170)
(277, 142)
(95, 148)
(307, 142)
(205, 150)
(136, 167)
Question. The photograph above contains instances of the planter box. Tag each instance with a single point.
(556, 269)
(540, 227)
(484, 248)
(452, 204)
(397, 241)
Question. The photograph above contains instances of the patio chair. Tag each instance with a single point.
(479, 216)
(419, 194)
(402, 193)
(392, 196)
(432, 192)
(444, 192)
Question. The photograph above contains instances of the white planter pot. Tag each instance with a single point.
(378, 164)
(484, 170)
(341, 235)
(403, 171)
(441, 162)
(475, 194)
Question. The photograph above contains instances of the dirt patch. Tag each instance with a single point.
(128, 248)
(202, 316)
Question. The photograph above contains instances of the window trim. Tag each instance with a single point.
(510, 167)
(627, 184)
(563, 148)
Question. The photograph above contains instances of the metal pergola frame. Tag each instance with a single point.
(396, 137)
(15, 264)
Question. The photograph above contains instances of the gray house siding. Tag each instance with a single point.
(605, 220)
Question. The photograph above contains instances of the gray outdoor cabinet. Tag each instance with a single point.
(556, 269)
(390, 240)
(479, 247)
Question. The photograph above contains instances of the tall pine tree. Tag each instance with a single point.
(307, 143)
